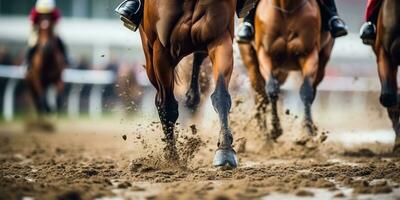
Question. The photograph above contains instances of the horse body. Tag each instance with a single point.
(174, 29)
(187, 26)
(46, 67)
(288, 36)
(387, 50)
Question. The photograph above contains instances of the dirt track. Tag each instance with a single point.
(86, 160)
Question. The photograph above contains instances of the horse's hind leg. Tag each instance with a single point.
(257, 82)
(220, 53)
(193, 94)
(167, 106)
(388, 98)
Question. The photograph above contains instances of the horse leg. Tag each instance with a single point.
(193, 94)
(59, 100)
(273, 90)
(167, 106)
(388, 98)
(310, 66)
(220, 53)
(38, 95)
(257, 82)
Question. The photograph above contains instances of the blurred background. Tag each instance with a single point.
(97, 40)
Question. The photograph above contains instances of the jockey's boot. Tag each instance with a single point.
(337, 27)
(245, 31)
(368, 33)
(330, 18)
(131, 13)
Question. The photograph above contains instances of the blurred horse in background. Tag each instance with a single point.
(387, 50)
(288, 36)
(173, 29)
(46, 66)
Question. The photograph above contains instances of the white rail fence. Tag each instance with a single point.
(98, 79)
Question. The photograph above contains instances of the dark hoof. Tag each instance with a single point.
(388, 100)
(225, 157)
(192, 100)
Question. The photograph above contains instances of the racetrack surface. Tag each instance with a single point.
(123, 159)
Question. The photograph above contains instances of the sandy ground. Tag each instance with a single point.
(123, 159)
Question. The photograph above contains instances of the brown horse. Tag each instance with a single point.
(288, 36)
(46, 66)
(174, 29)
(387, 50)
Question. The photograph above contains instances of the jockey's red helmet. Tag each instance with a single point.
(44, 7)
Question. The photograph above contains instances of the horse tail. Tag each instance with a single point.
(395, 51)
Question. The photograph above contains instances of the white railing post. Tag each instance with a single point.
(95, 101)
(74, 100)
(8, 104)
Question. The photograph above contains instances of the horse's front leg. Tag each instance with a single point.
(257, 82)
(221, 55)
(163, 73)
(193, 93)
(310, 66)
(388, 98)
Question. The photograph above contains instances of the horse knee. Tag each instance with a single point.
(307, 92)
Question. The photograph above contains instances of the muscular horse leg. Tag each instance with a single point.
(310, 66)
(388, 76)
(273, 90)
(166, 103)
(257, 82)
(193, 94)
(220, 53)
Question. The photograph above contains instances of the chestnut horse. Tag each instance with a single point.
(288, 36)
(46, 66)
(174, 29)
(387, 50)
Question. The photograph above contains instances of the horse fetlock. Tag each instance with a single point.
(310, 128)
(388, 99)
(192, 99)
(225, 139)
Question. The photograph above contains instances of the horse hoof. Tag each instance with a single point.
(225, 157)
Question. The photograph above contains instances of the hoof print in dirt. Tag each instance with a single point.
(225, 158)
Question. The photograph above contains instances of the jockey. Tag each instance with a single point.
(368, 29)
(131, 12)
(43, 7)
